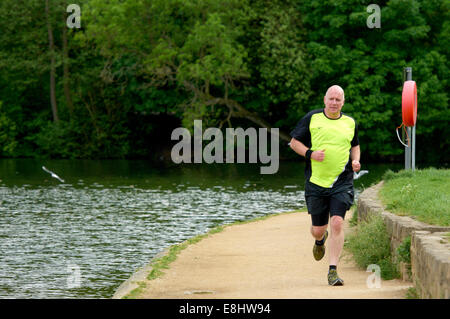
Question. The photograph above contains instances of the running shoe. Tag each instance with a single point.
(333, 278)
(319, 250)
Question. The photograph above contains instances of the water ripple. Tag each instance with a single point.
(83, 241)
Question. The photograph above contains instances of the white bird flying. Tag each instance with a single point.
(53, 174)
(358, 175)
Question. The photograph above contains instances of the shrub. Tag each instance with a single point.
(370, 244)
(404, 250)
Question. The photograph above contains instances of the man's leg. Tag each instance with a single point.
(336, 241)
(337, 212)
(339, 204)
(319, 232)
(319, 208)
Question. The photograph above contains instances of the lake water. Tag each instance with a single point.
(83, 237)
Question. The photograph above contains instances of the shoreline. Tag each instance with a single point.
(136, 281)
(140, 275)
(268, 257)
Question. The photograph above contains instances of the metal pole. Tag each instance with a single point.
(407, 76)
(413, 148)
(408, 150)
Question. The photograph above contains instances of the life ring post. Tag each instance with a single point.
(409, 115)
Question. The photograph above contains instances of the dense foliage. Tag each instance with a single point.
(136, 69)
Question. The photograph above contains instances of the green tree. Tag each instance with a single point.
(369, 64)
(8, 133)
(136, 68)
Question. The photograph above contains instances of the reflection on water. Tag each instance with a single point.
(84, 237)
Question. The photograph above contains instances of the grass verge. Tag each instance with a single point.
(369, 244)
(422, 194)
(160, 264)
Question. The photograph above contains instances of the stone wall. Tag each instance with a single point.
(430, 255)
(430, 249)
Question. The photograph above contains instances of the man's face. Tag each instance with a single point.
(334, 100)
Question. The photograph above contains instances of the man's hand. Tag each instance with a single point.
(355, 165)
(318, 155)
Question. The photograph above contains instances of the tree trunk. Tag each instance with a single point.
(236, 110)
(52, 64)
(66, 73)
(241, 112)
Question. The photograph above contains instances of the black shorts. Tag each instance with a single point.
(323, 203)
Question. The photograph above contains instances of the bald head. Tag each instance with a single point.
(334, 100)
(337, 89)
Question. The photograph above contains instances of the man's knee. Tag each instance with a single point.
(337, 223)
(318, 231)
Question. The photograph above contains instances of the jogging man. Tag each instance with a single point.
(328, 139)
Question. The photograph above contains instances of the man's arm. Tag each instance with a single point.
(355, 155)
(301, 149)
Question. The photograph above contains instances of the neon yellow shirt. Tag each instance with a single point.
(336, 137)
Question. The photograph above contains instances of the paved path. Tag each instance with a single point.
(271, 258)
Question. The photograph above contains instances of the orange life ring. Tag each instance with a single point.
(409, 103)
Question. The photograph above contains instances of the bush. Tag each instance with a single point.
(370, 244)
(388, 175)
(8, 132)
(404, 250)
